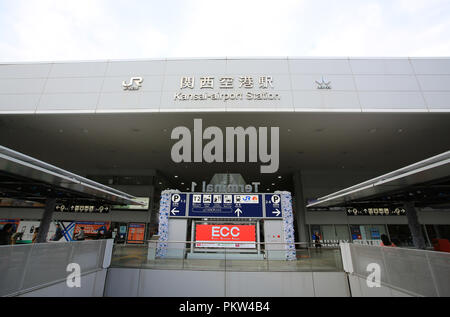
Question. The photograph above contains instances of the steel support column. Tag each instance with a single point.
(46, 220)
(300, 208)
(414, 226)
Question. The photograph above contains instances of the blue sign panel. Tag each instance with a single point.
(178, 205)
(226, 205)
(273, 206)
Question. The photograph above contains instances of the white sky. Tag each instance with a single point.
(47, 30)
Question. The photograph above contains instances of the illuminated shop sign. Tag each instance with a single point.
(228, 236)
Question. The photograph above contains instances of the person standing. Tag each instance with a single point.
(317, 241)
(6, 234)
(385, 242)
(35, 235)
(58, 234)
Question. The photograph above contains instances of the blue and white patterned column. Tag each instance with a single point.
(288, 224)
(163, 230)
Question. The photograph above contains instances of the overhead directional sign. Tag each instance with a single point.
(273, 206)
(226, 205)
(178, 205)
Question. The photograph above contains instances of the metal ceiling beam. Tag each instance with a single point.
(18, 164)
(434, 168)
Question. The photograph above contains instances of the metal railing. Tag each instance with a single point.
(415, 272)
(24, 268)
(187, 255)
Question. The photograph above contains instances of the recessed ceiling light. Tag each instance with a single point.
(273, 184)
(280, 177)
(176, 176)
(400, 131)
(182, 183)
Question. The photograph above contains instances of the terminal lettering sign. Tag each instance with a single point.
(226, 205)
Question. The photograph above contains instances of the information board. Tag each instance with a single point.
(178, 205)
(273, 206)
(226, 205)
(136, 233)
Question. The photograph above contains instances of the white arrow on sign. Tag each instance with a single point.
(174, 211)
(238, 212)
(276, 212)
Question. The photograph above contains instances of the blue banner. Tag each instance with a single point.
(226, 205)
(273, 206)
(178, 205)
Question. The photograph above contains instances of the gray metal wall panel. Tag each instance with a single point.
(19, 102)
(174, 283)
(78, 69)
(381, 85)
(330, 284)
(92, 285)
(320, 66)
(431, 66)
(381, 66)
(24, 70)
(135, 68)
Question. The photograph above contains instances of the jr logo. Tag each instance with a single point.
(135, 83)
(374, 278)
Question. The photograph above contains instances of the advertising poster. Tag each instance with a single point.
(136, 233)
(14, 222)
(92, 230)
(66, 231)
(8, 202)
(225, 236)
(27, 228)
(356, 233)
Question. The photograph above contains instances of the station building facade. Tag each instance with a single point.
(310, 126)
